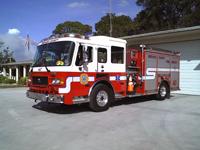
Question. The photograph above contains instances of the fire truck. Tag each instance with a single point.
(73, 69)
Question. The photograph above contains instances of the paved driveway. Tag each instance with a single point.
(135, 124)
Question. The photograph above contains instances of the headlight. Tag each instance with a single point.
(55, 81)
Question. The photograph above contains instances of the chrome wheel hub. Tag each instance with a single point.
(163, 91)
(102, 98)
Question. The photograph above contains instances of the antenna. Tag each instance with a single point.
(110, 14)
(29, 42)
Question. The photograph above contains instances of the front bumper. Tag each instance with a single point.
(45, 97)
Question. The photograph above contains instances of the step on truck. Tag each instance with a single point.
(73, 69)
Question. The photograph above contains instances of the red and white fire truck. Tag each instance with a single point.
(71, 69)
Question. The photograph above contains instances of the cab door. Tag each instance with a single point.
(85, 66)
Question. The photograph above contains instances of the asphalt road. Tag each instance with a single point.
(131, 124)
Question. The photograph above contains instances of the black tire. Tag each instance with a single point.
(163, 91)
(100, 98)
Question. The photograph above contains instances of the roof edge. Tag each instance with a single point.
(163, 32)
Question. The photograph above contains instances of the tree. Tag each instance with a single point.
(72, 27)
(122, 25)
(166, 14)
(1, 53)
(192, 14)
(6, 55)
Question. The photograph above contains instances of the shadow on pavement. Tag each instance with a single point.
(133, 100)
(61, 108)
(69, 109)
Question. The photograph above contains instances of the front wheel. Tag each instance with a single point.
(100, 98)
(163, 91)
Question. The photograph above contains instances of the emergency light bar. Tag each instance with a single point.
(72, 35)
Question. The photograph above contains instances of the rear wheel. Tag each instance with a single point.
(163, 91)
(100, 98)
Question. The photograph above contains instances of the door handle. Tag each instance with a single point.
(80, 68)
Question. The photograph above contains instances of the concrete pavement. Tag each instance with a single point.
(135, 124)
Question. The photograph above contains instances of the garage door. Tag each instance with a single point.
(190, 77)
(189, 65)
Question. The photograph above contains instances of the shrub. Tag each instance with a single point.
(1, 79)
(6, 80)
(9, 81)
(23, 80)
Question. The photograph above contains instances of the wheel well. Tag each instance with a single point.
(101, 82)
(167, 83)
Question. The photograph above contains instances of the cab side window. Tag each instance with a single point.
(80, 57)
(102, 55)
(117, 55)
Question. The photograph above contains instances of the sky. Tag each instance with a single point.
(38, 18)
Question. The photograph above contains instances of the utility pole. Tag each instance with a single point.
(110, 14)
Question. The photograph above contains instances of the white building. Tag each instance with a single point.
(16, 70)
(184, 40)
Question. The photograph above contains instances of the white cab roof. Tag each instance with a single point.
(93, 40)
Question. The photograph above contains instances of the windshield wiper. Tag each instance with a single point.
(45, 64)
(46, 68)
(36, 64)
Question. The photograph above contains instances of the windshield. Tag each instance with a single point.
(54, 54)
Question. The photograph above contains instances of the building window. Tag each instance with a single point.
(102, 55)
(117, 55)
